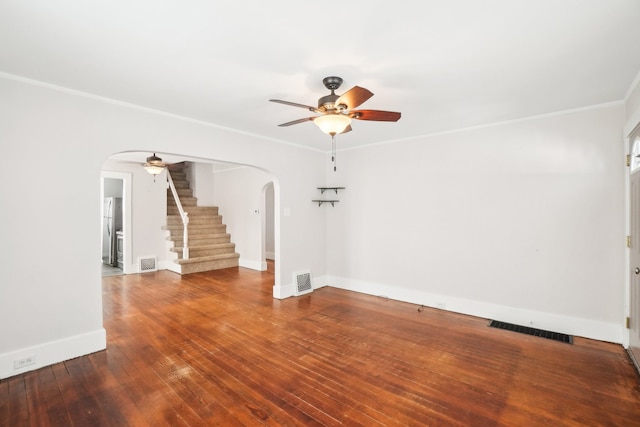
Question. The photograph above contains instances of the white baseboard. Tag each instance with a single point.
(253, 265)
(53, 352)
(289, 290)
(270, 255)
(587, 328)
(283, 291)
(319, 282)
(168, 265)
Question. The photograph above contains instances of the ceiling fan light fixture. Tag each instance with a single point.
(154, 165)
(332, 124)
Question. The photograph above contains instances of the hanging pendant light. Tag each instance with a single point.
(154, 165)
(332, 124)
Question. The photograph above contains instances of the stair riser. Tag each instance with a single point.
(209, 265)
(206, 228)
(185, 201)
(197, 253)
(176, 220)
(182, 192)
(193, 232)
(194, 211)
(227, 247)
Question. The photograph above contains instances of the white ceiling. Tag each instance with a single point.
(445, 64)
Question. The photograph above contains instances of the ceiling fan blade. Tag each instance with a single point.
(295, 122)
(354, 97)
(377, 115)
(347, 129)
(293, 104)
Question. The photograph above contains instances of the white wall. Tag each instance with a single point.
(522, 222)
(269, 237)
(50, 286)
(200, 177)
(238, 195)
(112, 187)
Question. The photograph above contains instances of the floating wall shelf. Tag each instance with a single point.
(320, 202)
(322, 190)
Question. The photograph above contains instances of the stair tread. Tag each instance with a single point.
(194, 227)
(195, 209)
(177, 217)
(196, 220)
(205, 247)
(206, 258)
(200, 236)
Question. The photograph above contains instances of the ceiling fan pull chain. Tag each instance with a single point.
(333, 151)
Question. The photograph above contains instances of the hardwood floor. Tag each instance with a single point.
(215, 348)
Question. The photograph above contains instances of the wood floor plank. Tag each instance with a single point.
(78, 393)
(56, 410)
(18, 401)
(37, 414)
(4, 402)
(215, 349)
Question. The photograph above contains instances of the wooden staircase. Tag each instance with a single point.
(210, 246)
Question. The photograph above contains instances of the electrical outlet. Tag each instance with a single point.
(25, 361)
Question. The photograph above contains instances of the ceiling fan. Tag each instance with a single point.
(336, 111)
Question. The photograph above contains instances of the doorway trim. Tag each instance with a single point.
(268, 227)
(126, 223)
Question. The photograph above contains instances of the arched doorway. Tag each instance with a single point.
(245, 194)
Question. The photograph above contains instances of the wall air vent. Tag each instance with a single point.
(556, 336)
(302, 282)
(147, 264)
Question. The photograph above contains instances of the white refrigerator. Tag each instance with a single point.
(111, 223)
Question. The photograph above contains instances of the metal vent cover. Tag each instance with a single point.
(146, 264)
(302, 281)
(555, 336)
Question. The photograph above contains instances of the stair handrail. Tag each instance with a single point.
(183, 215)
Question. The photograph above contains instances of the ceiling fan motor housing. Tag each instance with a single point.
(327, 103)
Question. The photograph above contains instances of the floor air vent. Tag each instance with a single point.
(532, 331)
(146, 264)
(302, 282)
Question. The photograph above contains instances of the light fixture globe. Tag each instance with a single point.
(154, 165)
(332, 124)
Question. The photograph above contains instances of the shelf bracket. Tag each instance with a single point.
(320, 202)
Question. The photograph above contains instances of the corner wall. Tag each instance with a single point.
(521, 222)
(50, 285)
(238, 195)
